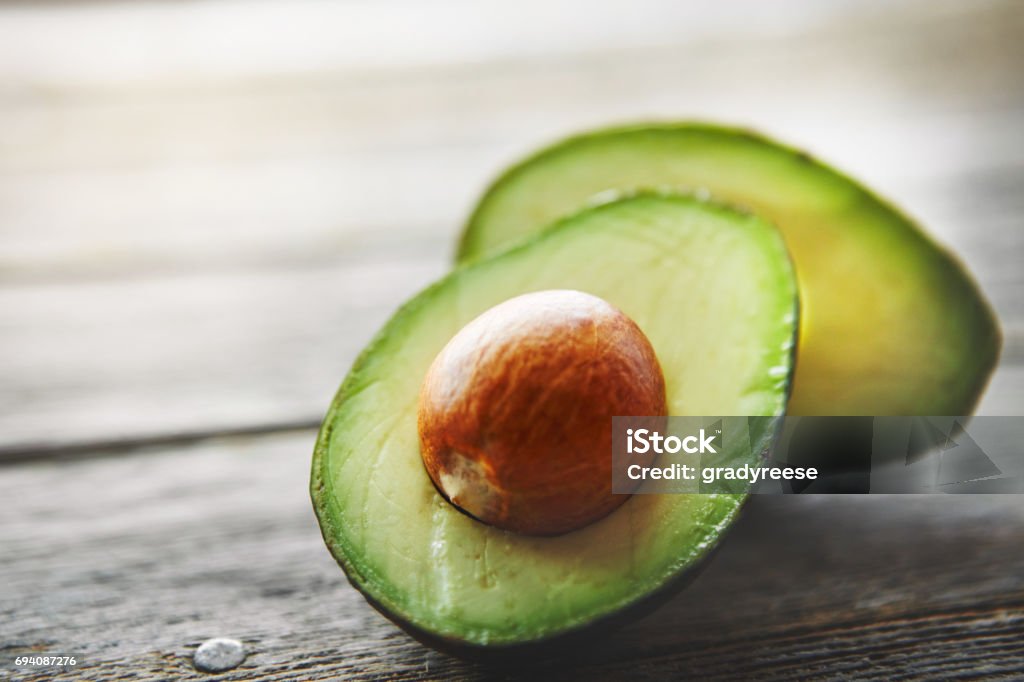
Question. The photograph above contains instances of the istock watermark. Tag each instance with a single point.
(791, 455)
(642, 441)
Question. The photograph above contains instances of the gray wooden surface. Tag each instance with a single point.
(207, 208)
(174, 545)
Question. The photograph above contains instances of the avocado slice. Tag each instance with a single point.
(714, 292)
(891, 324)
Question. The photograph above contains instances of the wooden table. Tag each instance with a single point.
(206, 209)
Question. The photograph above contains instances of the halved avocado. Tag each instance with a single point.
(714, 292)
(891, 324)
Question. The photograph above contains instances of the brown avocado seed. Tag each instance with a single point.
(515, 413)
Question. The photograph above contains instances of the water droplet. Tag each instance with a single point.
(218, 654)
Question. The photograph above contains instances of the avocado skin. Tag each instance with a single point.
(966, 376)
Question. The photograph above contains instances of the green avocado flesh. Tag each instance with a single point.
(891, 324)
(714, 292)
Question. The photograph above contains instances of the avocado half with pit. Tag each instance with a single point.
(891, 324)
(712, 291)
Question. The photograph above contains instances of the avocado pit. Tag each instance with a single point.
(515, 412)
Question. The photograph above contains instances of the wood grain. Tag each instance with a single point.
(173, 355)
(133, 561)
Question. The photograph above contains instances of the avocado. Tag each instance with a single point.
(714, 292)
(891, 324)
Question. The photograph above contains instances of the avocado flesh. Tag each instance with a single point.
(715, 294)
(891, 324)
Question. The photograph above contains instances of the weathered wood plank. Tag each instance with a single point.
(133, 561)
(187, 353)
(209, 167)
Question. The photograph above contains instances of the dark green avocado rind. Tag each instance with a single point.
(959, 335)
(378, 591)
